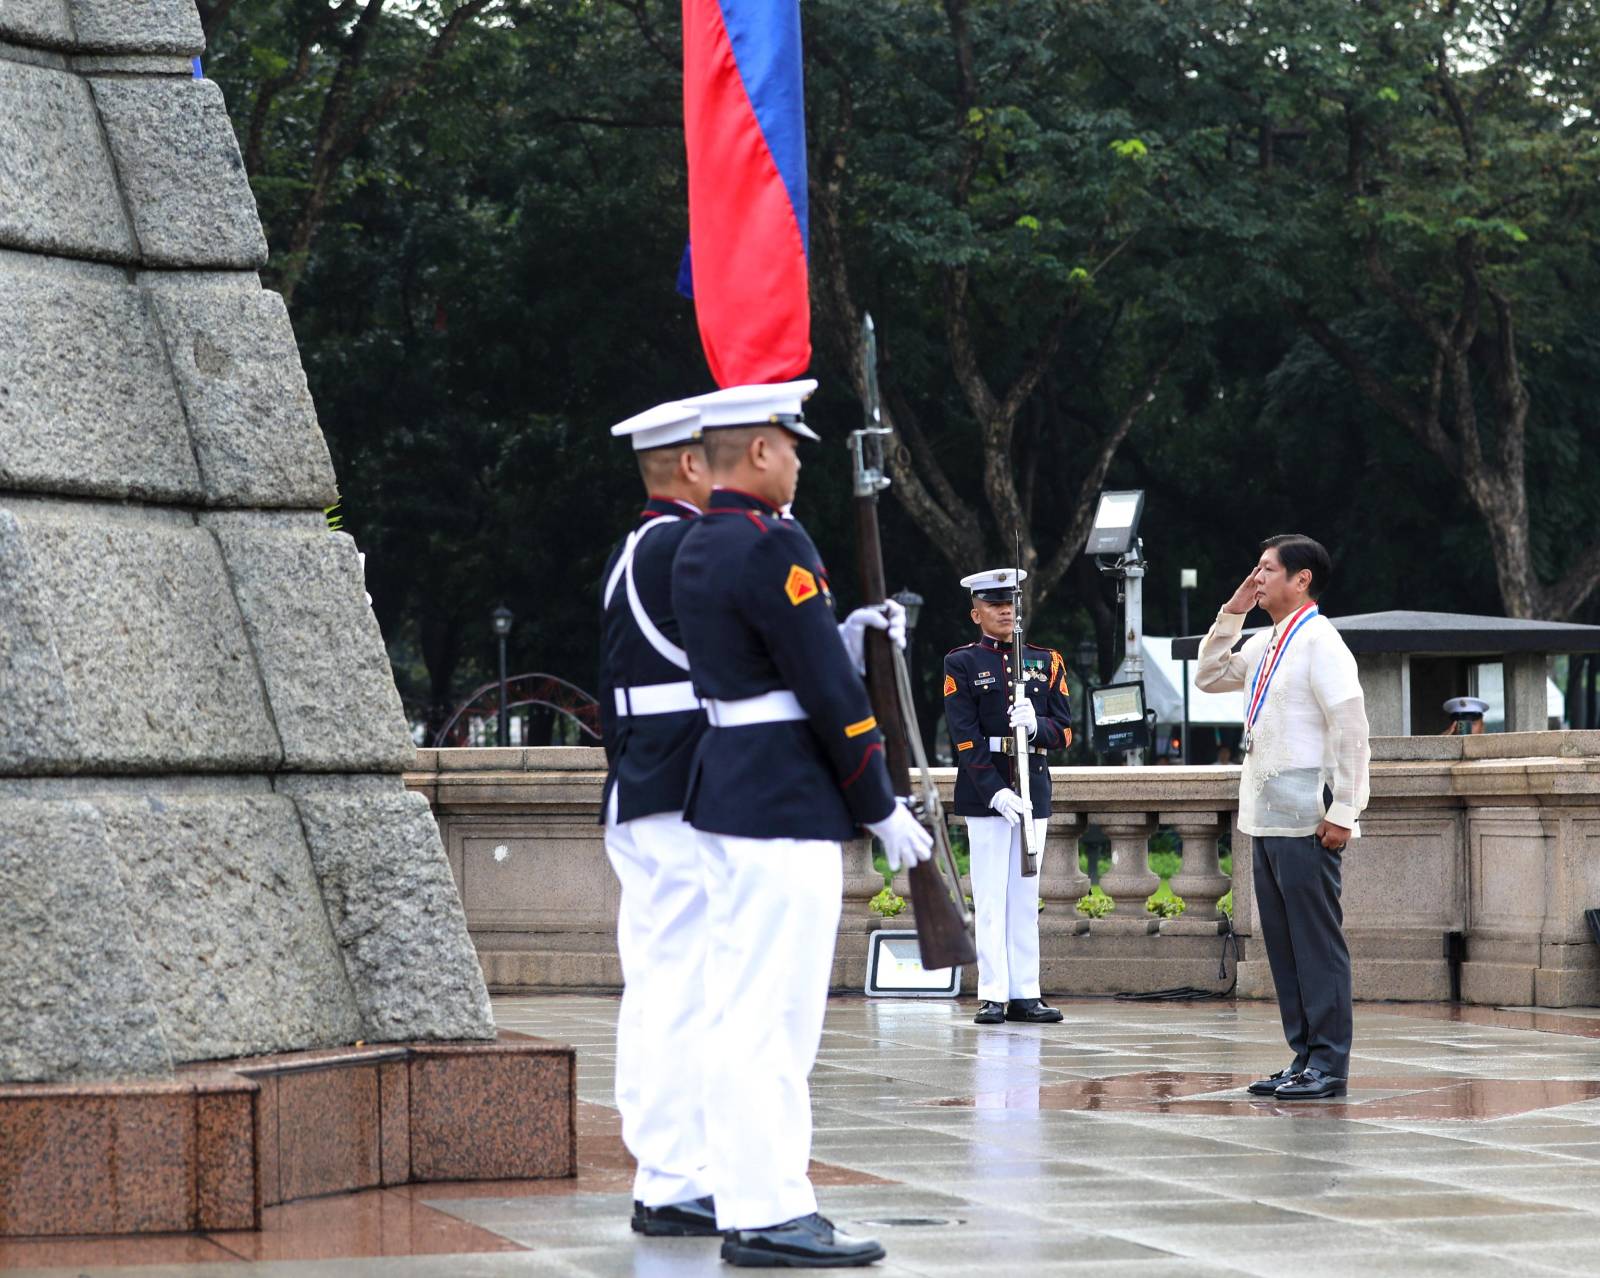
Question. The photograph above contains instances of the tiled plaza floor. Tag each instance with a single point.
(1117, 1143)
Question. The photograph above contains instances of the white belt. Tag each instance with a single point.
(1008, 745)
(657, 698)
(770, 707)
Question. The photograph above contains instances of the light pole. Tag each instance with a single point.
(1088, 654)
(503, 617)
(912, 602)
(1188, 579)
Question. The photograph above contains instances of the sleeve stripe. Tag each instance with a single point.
(963, 745)
(865, 725)
(875, 748)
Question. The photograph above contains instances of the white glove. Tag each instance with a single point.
(1008, 803)
(1023, 715)
(853, 629)
(905, 841)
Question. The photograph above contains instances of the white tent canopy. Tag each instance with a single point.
(1163, 690)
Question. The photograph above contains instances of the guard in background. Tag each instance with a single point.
(982, 719)
(651, 722)
(791, 766)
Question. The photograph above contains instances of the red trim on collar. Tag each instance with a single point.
(765, 504)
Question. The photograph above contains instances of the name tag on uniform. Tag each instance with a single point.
(985, 680)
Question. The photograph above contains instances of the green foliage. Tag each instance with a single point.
(887, 904)
(1095, 905)
(334, 516)
(1226, 903)
(491, 286)
(1164, 903)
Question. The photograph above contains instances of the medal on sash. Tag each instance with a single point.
(1269, 667)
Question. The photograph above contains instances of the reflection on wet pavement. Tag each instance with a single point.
(1119, 1142)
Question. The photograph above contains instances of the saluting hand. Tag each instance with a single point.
(1245, 597)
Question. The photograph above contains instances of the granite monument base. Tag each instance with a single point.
(214, 1143)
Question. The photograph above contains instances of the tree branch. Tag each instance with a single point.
(1089, 485)
(1580, 581)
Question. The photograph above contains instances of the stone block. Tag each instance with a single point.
(41, 22)
(395, 915)
(1400, 980)
(1532, 745)
(1568, 976)
(249, 411)
(181, 172)
(146, 26)
(37, 718)
(321, 656)
(58, 193)
(1406, 871)
(74, 998)
(1497, 984)
(534, 874)
(87, 403)
(127, 625)
(222, 893)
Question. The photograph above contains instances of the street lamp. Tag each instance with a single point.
(912, 602)
(503, 617)
(1188, 579)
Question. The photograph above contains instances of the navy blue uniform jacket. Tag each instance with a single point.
(647, 756)
(977, 702)
(756, 612)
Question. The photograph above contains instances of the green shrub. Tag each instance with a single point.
(1164, 903)
(1226, 904)
(887, 903)
(1096, 905)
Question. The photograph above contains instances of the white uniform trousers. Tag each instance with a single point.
(661, 1029)
(774, 906)
(1007, 909)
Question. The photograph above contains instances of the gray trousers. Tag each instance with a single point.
(1302, 926)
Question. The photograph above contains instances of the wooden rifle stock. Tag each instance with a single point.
(943, 934)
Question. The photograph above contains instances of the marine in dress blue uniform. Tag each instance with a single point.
(791, 765)
(980, 715)
(651, 722)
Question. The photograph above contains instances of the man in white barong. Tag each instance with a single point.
(1301, 793)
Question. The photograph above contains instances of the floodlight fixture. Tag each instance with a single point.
(1116, 523)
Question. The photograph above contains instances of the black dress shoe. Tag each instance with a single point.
(990, 1013)
(1311, 1084)
(808, 1242)
(1270, 1084)
(696, 1218)
(1032, 1011)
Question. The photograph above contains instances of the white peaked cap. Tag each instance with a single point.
(1466, 705)
(995, 579)
(671, 423)
(775, 405)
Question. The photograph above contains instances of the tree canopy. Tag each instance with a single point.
(1318, 265)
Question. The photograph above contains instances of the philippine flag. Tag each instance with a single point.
(744, 125)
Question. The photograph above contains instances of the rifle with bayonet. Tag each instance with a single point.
(944, 924)
(1019, 735)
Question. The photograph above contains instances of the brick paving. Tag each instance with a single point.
(1116, 1143)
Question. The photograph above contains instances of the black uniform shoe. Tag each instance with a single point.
(808, 1242)
(990, 1013)
(1270, 1084)
(1311, 1084)
(696, 1218)
(1032, 1011)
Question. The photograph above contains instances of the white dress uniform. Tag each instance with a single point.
(652, 722)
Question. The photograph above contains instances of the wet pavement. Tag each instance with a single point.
(1116, 1143)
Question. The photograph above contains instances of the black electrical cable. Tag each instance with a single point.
(1193, 993)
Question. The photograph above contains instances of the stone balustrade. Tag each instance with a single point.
(1494, 837)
